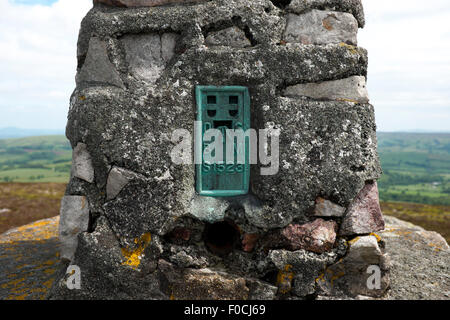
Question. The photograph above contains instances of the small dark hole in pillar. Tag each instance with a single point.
(221, 237)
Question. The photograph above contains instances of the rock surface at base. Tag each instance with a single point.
(420, 261)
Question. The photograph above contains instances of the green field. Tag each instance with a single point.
(416, 166)
(35, 159)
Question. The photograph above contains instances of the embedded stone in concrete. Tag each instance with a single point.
(364, 214)
(203, 284)
(249, 241)
(74, 220)
(364, 250)
(299, 269)
(97, 67)
(118, 178)
(260, 290)
(142, 3)
(326, 208)
(351, 89)
(318, 236)
(321, 27)
(350, 275)
(148, 54)
(82, 163)
(354, 7)
(233, 37)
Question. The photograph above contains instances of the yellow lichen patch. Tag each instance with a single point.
(376, 236)
(38, 231)
(320, 277)
(133, 257)
(347, 100)
(352, 49)
(284, 279)
(353, 241)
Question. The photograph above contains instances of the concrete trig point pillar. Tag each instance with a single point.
(140, 226)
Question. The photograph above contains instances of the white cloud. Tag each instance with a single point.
(38, 61)
(409, 62)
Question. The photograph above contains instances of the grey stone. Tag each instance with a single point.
(233, 37)
(350, 89)
(191, 257)
(74, 220)
(326, 208)
(364, 250)
(202, 284)
(148, 54)
(118, 178)
(82, 163)
(354, 7)
(260, 290)
(349, 276)
(364, 214)
(321, 27)
(97, 68)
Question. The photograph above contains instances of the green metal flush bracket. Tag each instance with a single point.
(222, 108)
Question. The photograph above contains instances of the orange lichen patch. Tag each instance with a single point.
(376, 236)
(31, 254)
(350, 48)
(284, 279)
(133, 257)
(353, 241)
(38, 231)
(327, 24)
(347, 100)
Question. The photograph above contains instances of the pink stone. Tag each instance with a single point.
(364, 214)
(142, 3)
(318, 236)
(249, 242)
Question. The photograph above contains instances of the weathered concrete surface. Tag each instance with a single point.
(143, 3)
(349, 89)
(321, 27)
(420, 261)
(29, 257)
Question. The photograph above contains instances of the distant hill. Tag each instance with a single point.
(416, 167)
(35, 159)
(6, 133)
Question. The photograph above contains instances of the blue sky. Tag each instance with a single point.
(408, 43)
